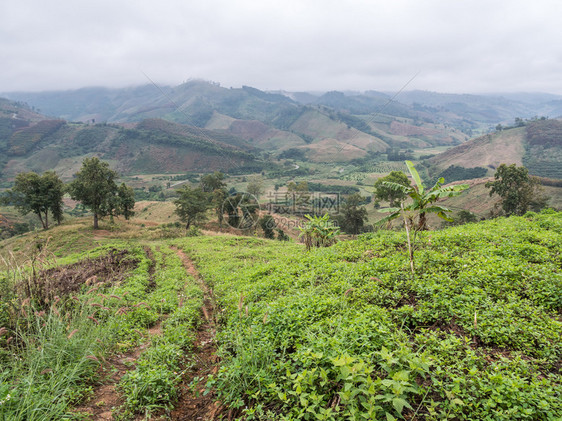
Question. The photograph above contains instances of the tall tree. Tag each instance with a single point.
(191, 205)
(94, 185)
(353, 216)
(389, 194)
(126, 201)
(518, 190)
(212, 182)
(40, 194)
(255, 188)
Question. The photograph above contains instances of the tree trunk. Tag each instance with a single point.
(46, 220)
(41, 219)
(422, 223)
(96, 226)
(187, 225)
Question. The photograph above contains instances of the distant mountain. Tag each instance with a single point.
(322, 125)
(537, 145)
(29, 141)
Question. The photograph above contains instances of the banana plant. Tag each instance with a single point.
(422, 202)
(319, 231)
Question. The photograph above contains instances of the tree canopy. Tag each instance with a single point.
(94, 185)
(353, 216)
(40, 194)
(518, 190)
(390, 194)
(191, 205)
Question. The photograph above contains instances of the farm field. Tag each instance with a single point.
(126, 330)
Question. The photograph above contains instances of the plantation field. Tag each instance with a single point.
(126, 330)
(345, 332)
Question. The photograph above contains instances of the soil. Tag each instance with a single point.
(193, 404)
(63, 280)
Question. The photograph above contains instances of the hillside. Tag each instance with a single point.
(274, 121)
(150, 146)
(271, 330)
(537, 145)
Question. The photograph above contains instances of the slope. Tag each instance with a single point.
(150, 146)
(537, 145)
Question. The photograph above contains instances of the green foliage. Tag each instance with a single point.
(457, 173)
(40, 194)
(268, 225)
(332, 188)
(191, 205)
(212, 182)
(519, 192)
(94, 186)
(390, 194)
(346, 333)
(543, 151)
(319, 231)
(352, 216)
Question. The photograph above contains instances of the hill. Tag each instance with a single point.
(29, 141)
(271, 120)
(537, 145)
(339, 332)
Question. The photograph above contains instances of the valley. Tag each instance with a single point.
(164, 315)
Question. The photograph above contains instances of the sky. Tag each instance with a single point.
(456, 46)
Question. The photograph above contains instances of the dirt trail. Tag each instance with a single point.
(193, 405)
(105, 397)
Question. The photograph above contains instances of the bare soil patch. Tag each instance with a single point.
(63, 280)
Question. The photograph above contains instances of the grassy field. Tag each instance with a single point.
(344, 332)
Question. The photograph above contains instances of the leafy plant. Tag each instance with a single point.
(319, 231)
(422, 203)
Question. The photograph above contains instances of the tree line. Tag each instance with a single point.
(94, 186)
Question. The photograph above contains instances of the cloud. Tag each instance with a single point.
(460, 46)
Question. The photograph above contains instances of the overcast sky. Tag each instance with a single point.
(452, 45)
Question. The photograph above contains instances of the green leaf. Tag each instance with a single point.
(415, 176)
(399, 404)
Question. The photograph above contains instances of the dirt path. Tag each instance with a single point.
(193, 405)
(105, 397)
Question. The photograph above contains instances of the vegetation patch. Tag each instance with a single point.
(347, 332)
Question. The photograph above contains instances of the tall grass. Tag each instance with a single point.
(49, 353)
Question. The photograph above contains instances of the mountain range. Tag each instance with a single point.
(200, 126)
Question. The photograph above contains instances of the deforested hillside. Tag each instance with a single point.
(537, 144)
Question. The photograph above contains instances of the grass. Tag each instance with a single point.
(346, 333)
(52, 348)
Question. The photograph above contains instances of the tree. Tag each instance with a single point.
(218, 198)
(268, 224)
(191, 205)
(255, 188)
(126, 201)
(94, 185)
(518, 190)
(389, 194)
(353, 216)
(212, 182)
(40, 194)
(423, 202)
